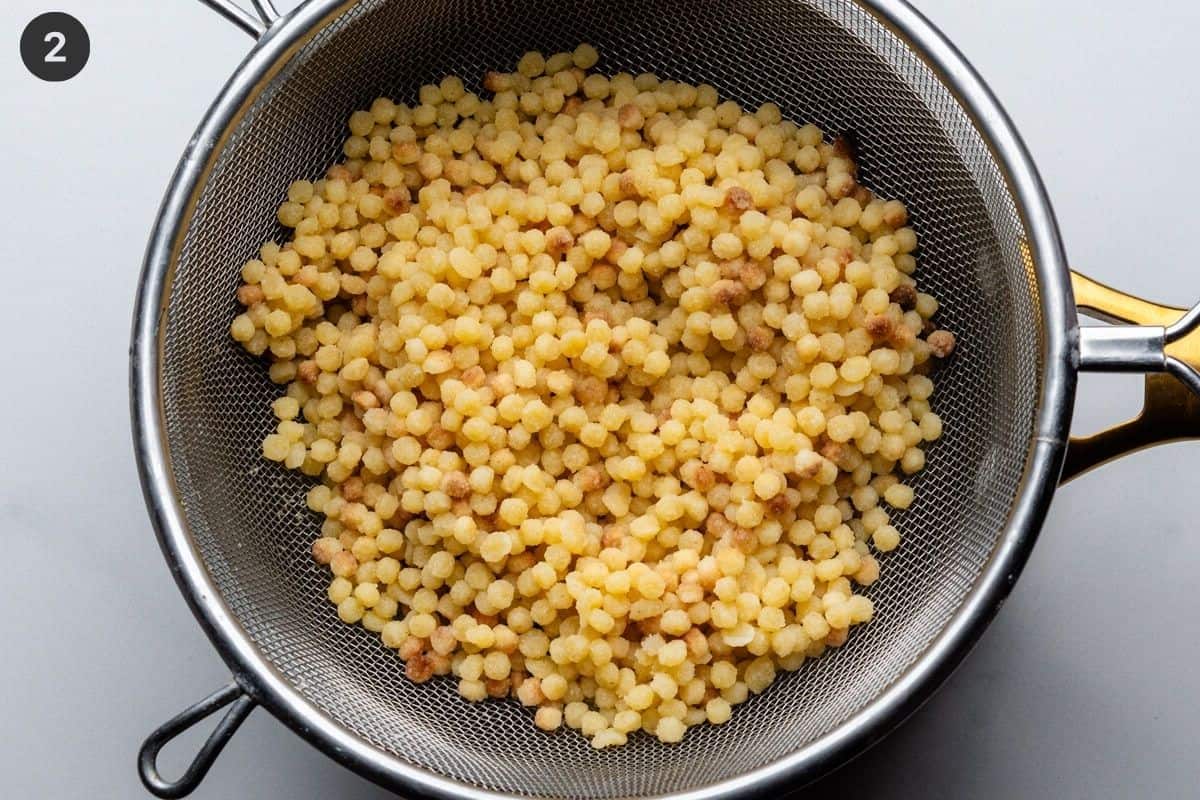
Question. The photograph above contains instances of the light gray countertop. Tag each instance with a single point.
(1086, 685)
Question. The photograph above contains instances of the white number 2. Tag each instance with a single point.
(53, 57)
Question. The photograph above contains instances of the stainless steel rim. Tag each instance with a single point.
(259, 679)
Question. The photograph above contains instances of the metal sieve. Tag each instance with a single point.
(234, 528)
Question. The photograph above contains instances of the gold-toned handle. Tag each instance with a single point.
(1104, 302)
(1171, 411)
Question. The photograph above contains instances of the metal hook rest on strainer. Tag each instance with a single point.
(233, 528)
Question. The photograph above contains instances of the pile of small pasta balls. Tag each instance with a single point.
(612, 387)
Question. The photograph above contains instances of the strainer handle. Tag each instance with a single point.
(243, 704)
(1161, 341)
(254, 24)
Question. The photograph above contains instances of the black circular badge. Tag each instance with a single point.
(55, 46)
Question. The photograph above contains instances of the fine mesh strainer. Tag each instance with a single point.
(233, 527)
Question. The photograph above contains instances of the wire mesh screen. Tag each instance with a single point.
(824, 61)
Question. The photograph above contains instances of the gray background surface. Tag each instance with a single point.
(1087, 684)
